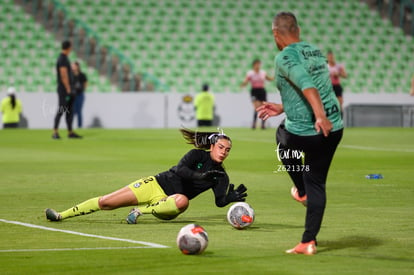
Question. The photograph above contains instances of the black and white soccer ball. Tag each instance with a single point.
(192, 239)
(240, 215)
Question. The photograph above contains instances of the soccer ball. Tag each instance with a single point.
(240, 215)
(192, 239)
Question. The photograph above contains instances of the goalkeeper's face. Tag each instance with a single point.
(220, 150)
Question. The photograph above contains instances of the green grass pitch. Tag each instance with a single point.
(368, 226)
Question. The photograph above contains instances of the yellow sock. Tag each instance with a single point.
(83, 208)
(164, 209)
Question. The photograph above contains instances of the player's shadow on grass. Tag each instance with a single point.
(212, 219)
(218, 219)
(360, 242)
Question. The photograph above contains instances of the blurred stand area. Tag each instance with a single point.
(107, 59)
(400, 12)
(146, 59)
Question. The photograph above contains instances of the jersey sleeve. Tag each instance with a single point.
(84, 78)
(291, 68)
(62, 62)
(197, 101)
(3, 106)
(220, 191)
(20, 106)
(184, 170)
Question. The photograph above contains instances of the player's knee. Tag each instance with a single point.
(105, 204)
(181, 201)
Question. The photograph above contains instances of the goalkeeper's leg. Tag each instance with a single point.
(167, 208)
(120, 198)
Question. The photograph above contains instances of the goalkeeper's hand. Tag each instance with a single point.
(236, 195)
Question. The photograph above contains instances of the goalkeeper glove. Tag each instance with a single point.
(236, 195)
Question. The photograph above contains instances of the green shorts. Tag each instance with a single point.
(147, 190)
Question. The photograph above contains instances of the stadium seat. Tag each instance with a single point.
(169, 37)
(31, 54)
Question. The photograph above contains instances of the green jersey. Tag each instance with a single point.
(300, 66)
(204, 104)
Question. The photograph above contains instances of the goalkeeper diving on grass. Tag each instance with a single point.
(167, 194)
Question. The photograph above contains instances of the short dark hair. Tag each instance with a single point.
(330, 52)
(256, 61)
(285, 21)
(66, 45)
(205, 88)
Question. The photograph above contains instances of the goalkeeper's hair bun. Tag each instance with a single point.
(202, 140)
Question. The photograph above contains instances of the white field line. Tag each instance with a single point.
(72, 249)
(151, 245)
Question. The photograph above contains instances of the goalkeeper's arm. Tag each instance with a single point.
(232, 195)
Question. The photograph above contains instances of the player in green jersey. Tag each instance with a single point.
(308, 138)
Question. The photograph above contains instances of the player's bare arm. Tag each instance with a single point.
(269, 109)
(64, 74)
(244, 83)
(342, 72)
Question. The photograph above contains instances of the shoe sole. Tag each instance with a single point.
(52, 215)
(135, 214)
(311, 251)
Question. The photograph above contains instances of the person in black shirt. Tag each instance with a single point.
(65, 91)
(80, 82)
(167, 194)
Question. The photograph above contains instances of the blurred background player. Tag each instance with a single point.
(313, 124)
(65, 91)
(336, 72)
(257, 78)
(11, 108)
(204, 106)
(167, 194)
(80, 81)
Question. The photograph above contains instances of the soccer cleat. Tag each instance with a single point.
(295, 195)
(303, 248)
(53, 215)
(74, 135)
(55, 136)
(133, 216)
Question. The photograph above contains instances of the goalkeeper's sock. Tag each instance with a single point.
(165, 209)
(83, 208)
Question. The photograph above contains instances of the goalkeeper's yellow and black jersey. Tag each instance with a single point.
(184, 178)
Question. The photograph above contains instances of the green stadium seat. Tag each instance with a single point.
(225, 35)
